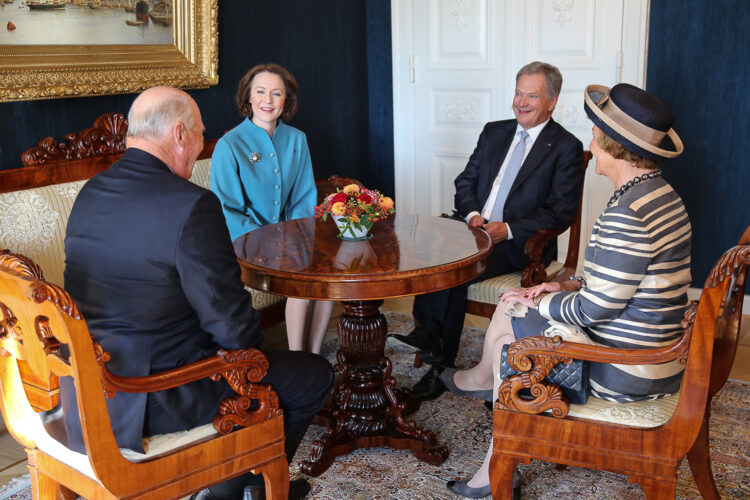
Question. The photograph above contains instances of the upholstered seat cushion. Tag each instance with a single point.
(154, 446)
(489, 290)
(636, 414)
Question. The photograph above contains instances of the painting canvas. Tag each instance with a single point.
(64, 48)
(80, 22)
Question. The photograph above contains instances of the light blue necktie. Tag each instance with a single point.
(511, 171)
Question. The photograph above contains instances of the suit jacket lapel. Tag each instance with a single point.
(539, 150)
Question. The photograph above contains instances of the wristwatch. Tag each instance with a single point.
(579, 278)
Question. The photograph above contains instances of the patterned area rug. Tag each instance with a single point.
(464, 425)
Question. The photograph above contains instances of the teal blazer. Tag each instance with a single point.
(260, 179)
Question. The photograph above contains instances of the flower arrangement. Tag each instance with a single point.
(355, 210)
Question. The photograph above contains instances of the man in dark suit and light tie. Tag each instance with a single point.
(524, 175)
(150, 264)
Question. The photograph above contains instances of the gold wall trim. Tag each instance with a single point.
(29, 72)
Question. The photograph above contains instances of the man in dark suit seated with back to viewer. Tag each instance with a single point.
(150, 264)
(524, 175)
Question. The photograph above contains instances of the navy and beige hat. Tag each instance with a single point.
(636, 119)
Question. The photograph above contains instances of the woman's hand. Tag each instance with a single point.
(527, 296)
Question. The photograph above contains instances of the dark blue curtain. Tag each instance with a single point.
(339, 51)
(698, 64)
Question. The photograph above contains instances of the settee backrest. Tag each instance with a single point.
(33, 221)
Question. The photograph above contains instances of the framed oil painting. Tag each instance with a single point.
(71, 48)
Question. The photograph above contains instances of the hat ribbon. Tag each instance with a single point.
(630, 124)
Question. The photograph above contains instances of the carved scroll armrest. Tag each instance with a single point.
(535, 271)
(242, 369)
(535, 356)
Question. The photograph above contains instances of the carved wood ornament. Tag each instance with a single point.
(107, 136)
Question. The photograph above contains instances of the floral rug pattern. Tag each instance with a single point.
(463, 425)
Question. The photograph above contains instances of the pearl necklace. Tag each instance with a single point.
(637, 180)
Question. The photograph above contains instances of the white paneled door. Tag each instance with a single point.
(454, 67)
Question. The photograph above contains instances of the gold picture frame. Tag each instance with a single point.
(30, 72)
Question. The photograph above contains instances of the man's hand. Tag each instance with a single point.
(498, 231)
(476, 221)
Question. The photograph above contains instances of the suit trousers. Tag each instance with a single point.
(303, 382)
(444, 311)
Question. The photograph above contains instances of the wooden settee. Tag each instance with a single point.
(36, 199)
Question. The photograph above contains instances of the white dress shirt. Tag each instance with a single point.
(487, 210)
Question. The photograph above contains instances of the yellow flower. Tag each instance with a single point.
(351, 188)
(354, 218)
(386, 202)
(338, 208)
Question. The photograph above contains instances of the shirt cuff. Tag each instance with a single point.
(510, 233)
(471, 214)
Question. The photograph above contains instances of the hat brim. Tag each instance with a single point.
(670, 147)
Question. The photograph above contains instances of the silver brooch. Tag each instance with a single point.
(254, 158)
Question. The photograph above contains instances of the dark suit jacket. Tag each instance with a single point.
(544, 193)
(150, 264)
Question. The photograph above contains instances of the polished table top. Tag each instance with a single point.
(407, 255)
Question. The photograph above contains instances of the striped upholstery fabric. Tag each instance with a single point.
(637, 269)
(489, 290)
(202, 177)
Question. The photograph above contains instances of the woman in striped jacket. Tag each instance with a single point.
(633, 292)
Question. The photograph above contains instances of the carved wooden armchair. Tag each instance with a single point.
(483, 296)
(35, 318)
(645, 440)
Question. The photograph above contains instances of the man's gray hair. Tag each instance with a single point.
(550, 73)
(154, 122)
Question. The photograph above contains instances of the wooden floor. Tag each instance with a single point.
(13, 458)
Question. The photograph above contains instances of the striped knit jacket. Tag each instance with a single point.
(637, 271)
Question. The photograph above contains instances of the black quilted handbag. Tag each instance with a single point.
(573, 379)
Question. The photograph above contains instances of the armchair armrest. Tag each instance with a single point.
(535, 356)
(242, 369)
(535, 271)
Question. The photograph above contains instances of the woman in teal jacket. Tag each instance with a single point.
(262, 173)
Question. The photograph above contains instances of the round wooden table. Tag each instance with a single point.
(407, 255)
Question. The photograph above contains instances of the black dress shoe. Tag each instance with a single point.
(429, 386)
(298, 489)
(204, 494)
(424, 341)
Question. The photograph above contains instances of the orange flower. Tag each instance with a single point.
(354, 218)
(351, 188)
(386, 202)
(338, 208)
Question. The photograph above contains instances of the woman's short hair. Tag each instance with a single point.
(290, 84)
(551, 74)
(618, 152)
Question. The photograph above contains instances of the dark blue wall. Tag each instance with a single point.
(339, 51)
(698, 63)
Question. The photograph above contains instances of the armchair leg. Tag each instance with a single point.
(699, 458)
(43, 487)
(659, 490)
(276, 478)
(501, 476)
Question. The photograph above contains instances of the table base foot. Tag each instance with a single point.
(333, 444)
